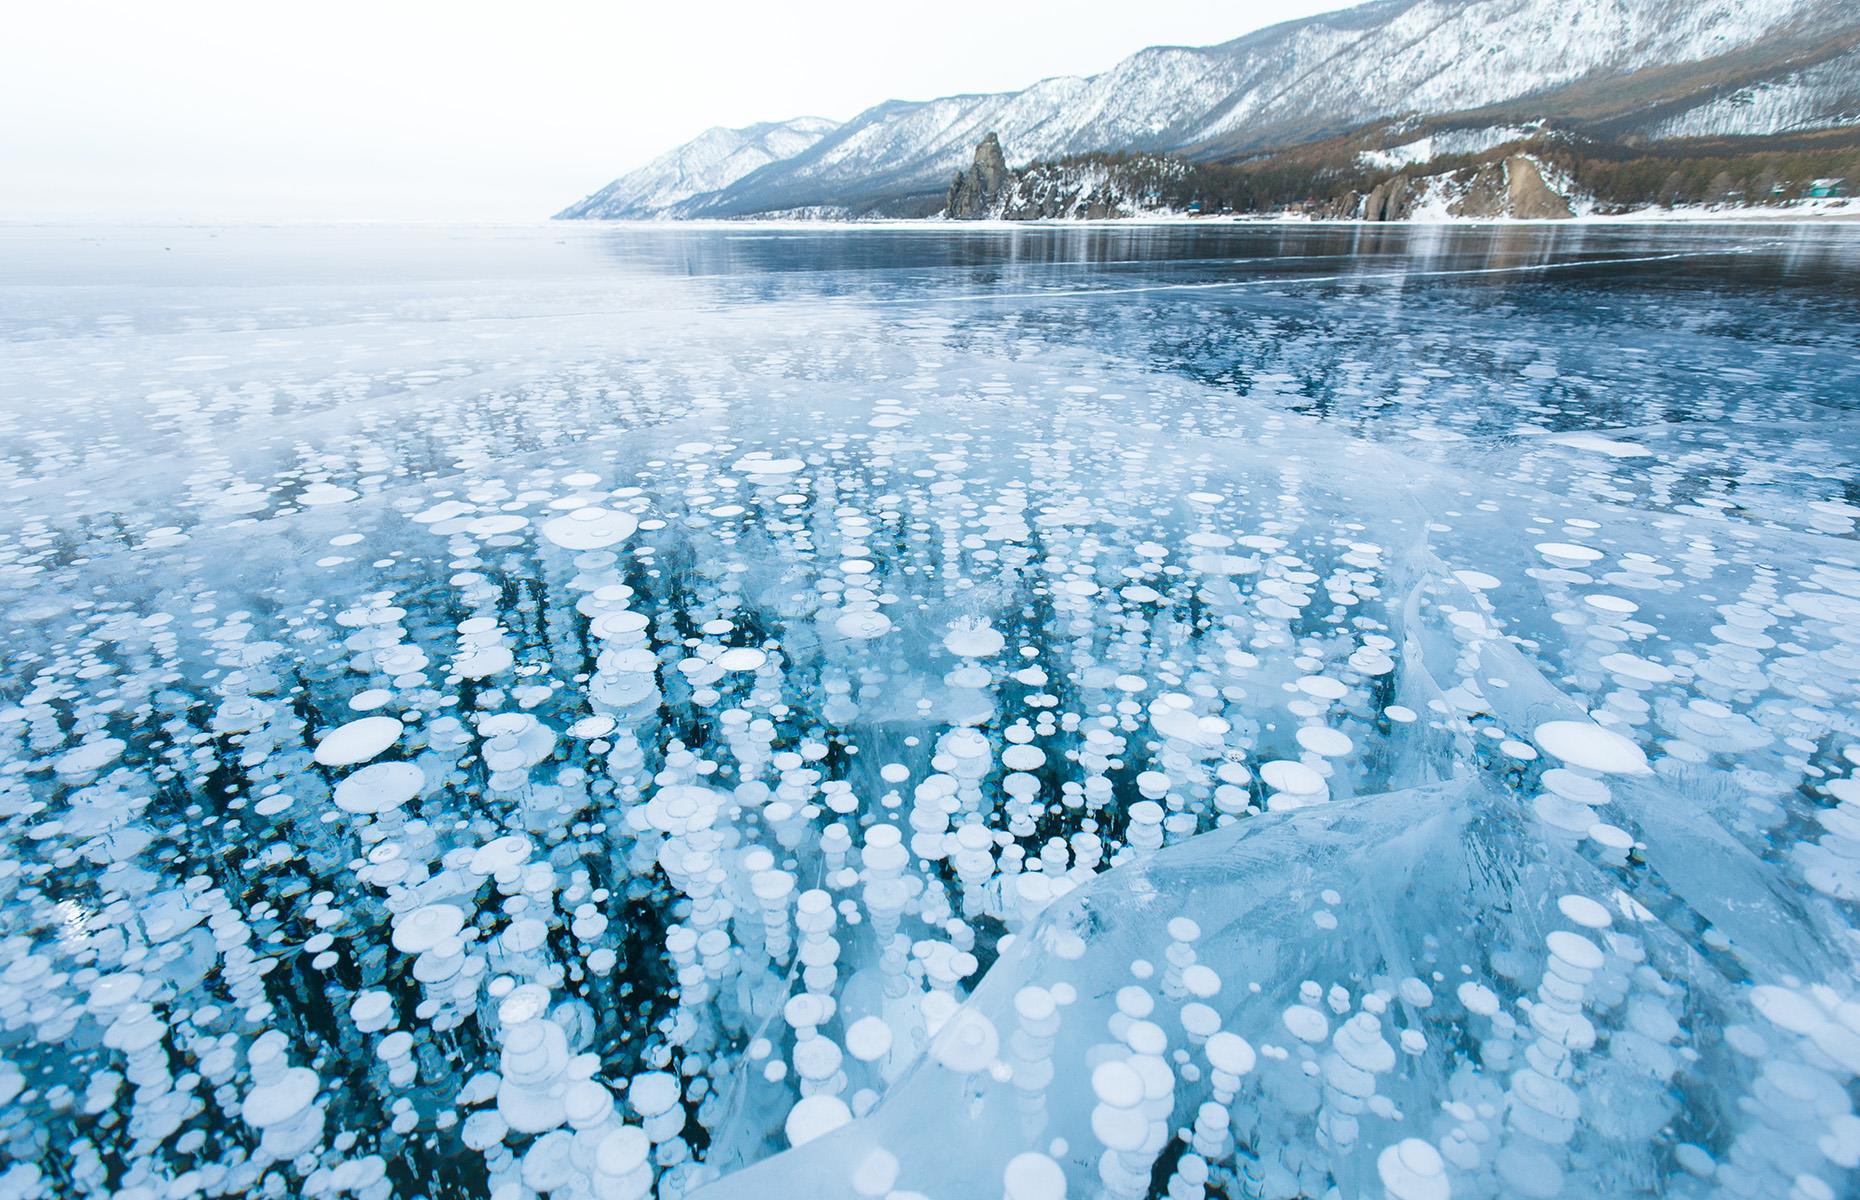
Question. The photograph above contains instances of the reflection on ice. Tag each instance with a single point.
(1015, 726)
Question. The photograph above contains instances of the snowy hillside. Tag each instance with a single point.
(714, 159)
(1294, 82)
(1439, 56)
(1819, 97)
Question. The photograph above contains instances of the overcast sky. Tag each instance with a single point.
(395, 109)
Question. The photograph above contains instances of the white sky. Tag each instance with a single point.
(463, 110)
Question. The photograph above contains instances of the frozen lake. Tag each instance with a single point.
(904, 712)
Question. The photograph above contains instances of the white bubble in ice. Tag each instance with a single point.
(741, 658)
(622, 1153)
(587, 728)
(1584, 911)
(590, 528)
(1325, 742)
(379, 787)
(814, 1117)
(1567, 554)
(1231, 1053)
(500, 854)
(1117, 1084)
(868, 1039)
(423, 928)
(90, 756)
(358, 741)
(966, 1043)
(283, 1098)
(1412, 1169)
(653, 1093)
(1586, 745)
(1033, 1176)
(971, 638)
(763, 466)
(1574, 949)
(494, 526)
(1478, 998)
(1305, 1023)
(862, 625)
(1292, 777)
(1321, 687)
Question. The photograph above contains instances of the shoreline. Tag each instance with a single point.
(1839, 214)
(1770, 217)
(1834, 212)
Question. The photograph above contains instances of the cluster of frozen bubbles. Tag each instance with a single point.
(917, 810)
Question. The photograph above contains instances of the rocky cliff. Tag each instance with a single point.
(1514, 187)
(1529, 196)
(978, 193)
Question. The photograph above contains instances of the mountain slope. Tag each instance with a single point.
(1819, 96)
(1320, 77)
(714, 159)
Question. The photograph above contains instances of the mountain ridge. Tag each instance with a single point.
(1630, 63)
(714, 159)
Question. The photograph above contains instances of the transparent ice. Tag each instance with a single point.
(753, 712)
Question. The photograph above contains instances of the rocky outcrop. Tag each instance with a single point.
(1529, 196)
(1392, 200)
(978, 192)
(1514, 187)
(1484, 197)
(1346, 207)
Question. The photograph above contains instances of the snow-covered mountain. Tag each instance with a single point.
(1684, 61)
(713, 160)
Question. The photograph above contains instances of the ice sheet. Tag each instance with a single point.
(745, 712)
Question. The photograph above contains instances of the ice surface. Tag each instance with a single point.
(897, 713)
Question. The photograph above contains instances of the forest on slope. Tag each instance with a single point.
(1619, 176)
